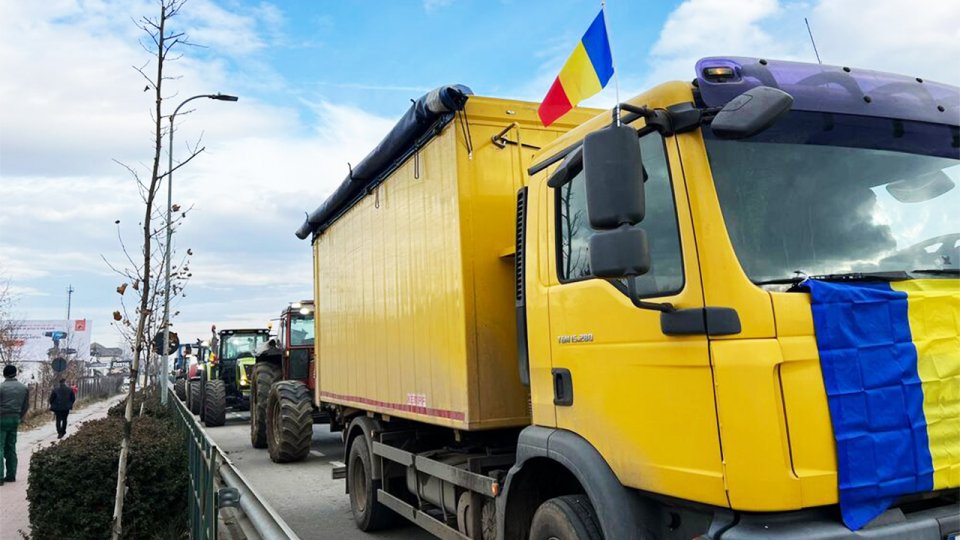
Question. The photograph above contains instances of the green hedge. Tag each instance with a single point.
(150, 399)
(72, 483)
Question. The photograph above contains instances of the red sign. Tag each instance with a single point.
(80, 325)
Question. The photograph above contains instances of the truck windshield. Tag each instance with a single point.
(301, 330)
(832, 194)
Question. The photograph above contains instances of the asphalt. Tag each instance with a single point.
(304, 494)
(14, 516)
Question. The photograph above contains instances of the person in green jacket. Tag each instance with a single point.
(14, 402)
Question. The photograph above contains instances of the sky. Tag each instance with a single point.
(320, 83)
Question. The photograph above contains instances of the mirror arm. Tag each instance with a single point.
(665, 307)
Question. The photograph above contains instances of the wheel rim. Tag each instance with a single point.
(358, 485)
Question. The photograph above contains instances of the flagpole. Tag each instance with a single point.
(613, 60)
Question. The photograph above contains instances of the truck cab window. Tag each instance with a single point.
(573, 228)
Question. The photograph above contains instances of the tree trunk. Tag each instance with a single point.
(138, 349)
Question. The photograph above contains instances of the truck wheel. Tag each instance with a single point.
(180, 389)
(215, 404)
(193, 398)
(289, 421)
(264, 375)
(570, 517)
(368, 512)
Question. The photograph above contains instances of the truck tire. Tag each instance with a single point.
(193, 397)
(289, 421)
(369, 513)
(215, 404)
(180, 389)
(264, 375)
(570, 517)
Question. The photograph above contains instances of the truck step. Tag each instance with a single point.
(339, 470)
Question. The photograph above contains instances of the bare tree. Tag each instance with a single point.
(142, 272)
(9, 325)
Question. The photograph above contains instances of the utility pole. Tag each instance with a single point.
(69, 295)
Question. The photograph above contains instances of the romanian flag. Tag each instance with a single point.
(890, 356)
(586, 72)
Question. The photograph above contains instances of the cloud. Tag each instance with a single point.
(880, 35)
(432, 5)
(77, 104)
(921, 40)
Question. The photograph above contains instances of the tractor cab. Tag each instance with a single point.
(236, 353)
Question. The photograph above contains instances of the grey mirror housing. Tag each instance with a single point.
(622, 252)
(613, 177)
(751, 112)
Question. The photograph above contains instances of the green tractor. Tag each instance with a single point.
(224, 381)
(282, 411)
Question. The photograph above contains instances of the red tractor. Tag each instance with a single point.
(282, 412)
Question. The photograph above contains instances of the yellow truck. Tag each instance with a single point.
(729, 308)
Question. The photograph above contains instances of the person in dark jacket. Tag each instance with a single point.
(14, 402)
(61, 401)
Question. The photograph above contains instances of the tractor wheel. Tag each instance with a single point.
(215, 404)
(289, 421)
(180, 389)
(193, 397)
(264, 375)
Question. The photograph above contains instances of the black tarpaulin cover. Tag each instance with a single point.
(438, 104)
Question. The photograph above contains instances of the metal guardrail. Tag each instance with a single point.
(203, 500)
(209, 467)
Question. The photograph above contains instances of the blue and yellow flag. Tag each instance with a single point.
(890, 356)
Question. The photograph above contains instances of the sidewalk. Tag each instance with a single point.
(13, 496)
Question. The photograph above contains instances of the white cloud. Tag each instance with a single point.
(882, 35)
(431, 5)
(76, 104)
(921, 39)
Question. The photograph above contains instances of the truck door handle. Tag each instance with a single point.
(562, 387)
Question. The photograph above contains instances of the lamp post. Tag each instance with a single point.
(164, 375)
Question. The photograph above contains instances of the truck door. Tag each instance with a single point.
(642, 398)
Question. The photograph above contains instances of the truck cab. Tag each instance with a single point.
(682, 364)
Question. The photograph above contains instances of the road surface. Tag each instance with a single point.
(309, 501)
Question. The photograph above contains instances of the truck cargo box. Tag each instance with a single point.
(414, 279)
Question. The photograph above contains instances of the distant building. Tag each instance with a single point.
(104, 359)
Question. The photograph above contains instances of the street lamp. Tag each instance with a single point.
(166, 289)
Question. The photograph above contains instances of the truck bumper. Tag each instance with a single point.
(938, 523)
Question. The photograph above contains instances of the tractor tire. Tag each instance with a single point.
(193, 397)
(215, 404)
(264, 375)
(180, 389)
(289, 421)
(570, 517)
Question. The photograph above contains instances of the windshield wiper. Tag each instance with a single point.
(848, 276)
(937, 271)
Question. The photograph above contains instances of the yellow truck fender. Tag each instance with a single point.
(565, 457)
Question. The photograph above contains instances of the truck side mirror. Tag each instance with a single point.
(613, 177)
(751, 112)
(619, 253)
